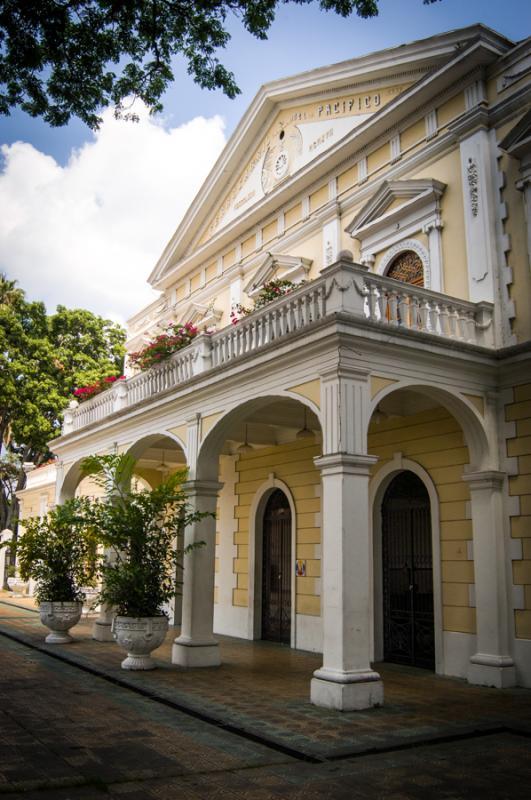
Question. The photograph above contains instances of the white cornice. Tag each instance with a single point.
(485, 47)
(416, 194)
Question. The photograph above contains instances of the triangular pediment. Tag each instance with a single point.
(298, 130)
(518, 141)
(276, 265)
(394, 199)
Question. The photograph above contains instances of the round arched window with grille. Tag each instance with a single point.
(407, 267)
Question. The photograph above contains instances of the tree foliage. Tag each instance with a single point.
(65, 58)
(59, 552)
(141, 529)
(42, 358)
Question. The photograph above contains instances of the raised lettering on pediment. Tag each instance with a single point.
(297, 136)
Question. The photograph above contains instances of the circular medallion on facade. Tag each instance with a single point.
(280, 155)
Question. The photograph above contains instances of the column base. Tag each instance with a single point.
(347, 691)
(102, 632)
(496, 671)
(192, 654)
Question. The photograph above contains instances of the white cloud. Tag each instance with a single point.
(88, 234)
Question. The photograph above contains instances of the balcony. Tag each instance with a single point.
(345, 290)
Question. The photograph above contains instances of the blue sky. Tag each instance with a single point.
(301, 38)
(86, 215)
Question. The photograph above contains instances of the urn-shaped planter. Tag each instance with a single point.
(59, 618)
(139, 636)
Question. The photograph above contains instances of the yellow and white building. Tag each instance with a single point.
(366, 439)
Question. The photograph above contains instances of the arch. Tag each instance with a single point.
(66, 488)
(482, 455)
(407, 267)
(256, 514)
(377, 488)
(138, 447)
(400, 247)
(206, 467)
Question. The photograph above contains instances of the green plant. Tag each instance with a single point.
(59, 551)
(11, 571)
(141, 529)
(270, 291)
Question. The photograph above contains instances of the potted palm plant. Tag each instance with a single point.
(59, 552)
(139, 530)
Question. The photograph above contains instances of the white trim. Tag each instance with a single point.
(254, 621)
(401, 247)
(377, 488)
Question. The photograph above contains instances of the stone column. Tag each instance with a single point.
(196, 646)
(492, 665)
(346, 680)
(102, 628)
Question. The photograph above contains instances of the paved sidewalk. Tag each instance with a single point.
(266, 741)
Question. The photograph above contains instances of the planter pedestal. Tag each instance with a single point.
(59, 618)
(139, 636)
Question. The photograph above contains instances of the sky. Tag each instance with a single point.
(85, 216)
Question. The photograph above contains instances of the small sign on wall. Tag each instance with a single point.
(300, 568)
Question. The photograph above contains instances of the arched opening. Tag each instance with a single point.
(276, 569)
(266, 444)
(407, 573)
(439, 437)
(407, 267)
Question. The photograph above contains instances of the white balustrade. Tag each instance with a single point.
(345, 288)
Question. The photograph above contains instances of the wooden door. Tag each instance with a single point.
(276, 569)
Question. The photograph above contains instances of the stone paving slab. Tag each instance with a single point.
(261, 690)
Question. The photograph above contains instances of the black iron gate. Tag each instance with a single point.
(407, 573)
(276, 569)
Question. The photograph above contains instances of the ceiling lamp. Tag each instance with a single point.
(305, 433)
(245, 447)
(162, 467)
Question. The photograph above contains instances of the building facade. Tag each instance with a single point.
(365, 439)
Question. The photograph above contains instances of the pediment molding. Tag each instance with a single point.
(201, 315)
(416, 194)
(277, 265)
(517, 142)
(441, 61)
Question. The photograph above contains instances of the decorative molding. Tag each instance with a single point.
(400, 247)
(293, 268)
(472, 178)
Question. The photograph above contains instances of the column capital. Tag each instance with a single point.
(353, 464)
(487, 479)
(202, 487)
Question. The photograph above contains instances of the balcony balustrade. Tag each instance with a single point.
(345, 288)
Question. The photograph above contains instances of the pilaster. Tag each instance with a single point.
(492, 665)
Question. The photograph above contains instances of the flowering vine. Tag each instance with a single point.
(82, 393)
(269, 292)
(162, 346)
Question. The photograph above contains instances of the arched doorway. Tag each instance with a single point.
(276, 569)
(407, 572)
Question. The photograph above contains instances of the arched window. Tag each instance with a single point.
(407, 267)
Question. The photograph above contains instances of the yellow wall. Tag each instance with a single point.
(435, 441)
(519, 412)
(293, 464)
(448, 170)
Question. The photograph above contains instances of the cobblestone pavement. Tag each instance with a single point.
(68, 734)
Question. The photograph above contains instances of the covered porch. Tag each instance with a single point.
(260, 692)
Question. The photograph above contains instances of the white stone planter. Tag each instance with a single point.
(139, 636)
(59, 618)
(11, 583)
